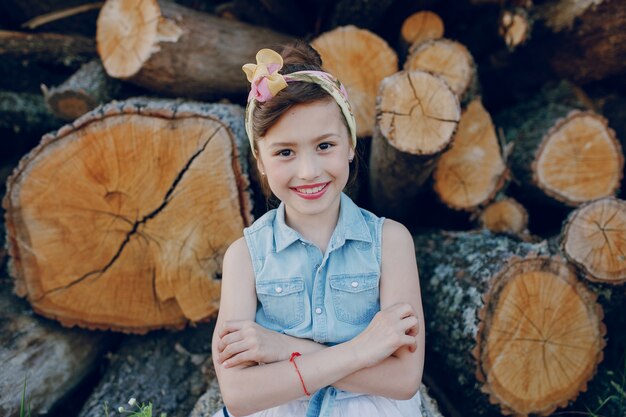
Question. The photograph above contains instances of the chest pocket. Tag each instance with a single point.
(282, 300)
(355, 297)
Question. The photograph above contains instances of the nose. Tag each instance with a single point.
(308, 167)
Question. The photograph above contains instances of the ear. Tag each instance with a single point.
(259, 165)
(351, 154)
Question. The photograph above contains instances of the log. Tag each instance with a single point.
(561, 153)
(16, 13)
(129, 235)
(171, 370)
(417, 115)
(508, 320)
(343, 51)
(24, 118)
(54, 360)
(83, 91)
(589, 42)
(176, 51)
(515, 27)
(593, 239)
(472, 171)
(449, 59)
(421, 26)
(364, 14)
(29, 59)
(505, 216)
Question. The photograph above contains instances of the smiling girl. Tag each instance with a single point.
(320, 310)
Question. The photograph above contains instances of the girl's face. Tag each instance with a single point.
(305, 157)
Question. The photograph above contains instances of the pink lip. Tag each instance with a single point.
(314, 196)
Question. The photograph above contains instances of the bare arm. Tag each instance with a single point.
(398, 376)
(247, 389)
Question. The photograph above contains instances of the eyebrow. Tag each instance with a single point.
(287, 144)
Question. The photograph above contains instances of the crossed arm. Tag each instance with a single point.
(385, 359)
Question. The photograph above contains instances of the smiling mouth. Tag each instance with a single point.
(311, 189)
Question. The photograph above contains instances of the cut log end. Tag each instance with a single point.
(593, 239)
(422, 26)
(417, 112)
(579, 160)
(127, 34)
(449, 59)
(121, 221)
(505, 216)
(514, 28)
(541, 337)
(472, 171)
(69, 105)
(360, 60)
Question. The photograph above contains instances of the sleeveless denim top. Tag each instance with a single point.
(329, 298)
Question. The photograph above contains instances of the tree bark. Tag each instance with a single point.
(171, 370)
(178, 51)
(82, 92)
(29, 59)
(486, 299)
(562, 155)
(343, 51)
(590, 41)
(53, 360)
(417, 115)
(130, 235)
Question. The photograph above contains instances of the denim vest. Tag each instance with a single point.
(329, 298)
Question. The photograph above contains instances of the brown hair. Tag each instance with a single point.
(297, 56)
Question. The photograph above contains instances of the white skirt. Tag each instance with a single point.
(354, 406)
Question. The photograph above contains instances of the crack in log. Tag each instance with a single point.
(136, 225)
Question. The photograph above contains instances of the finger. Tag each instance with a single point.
(229, 327)
(237, 359)
(233, 337)
(232, 350)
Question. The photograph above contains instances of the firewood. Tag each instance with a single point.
(515, 27)
(176, 51)
(365, 14)
(449, 59)
(472, 171)
(344, 52)
(590, 40)
(54, 360)
(24, 118)
(562, 153)
(505, 216)
(535, 331)
(57, 16)
(83, 91)
(593, 239)
(417, 115)
(27, 59)
(120, 220)
(172, 370)
(420, 27)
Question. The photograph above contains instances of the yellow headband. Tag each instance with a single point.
(266, 83)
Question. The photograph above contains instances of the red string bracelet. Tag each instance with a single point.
(294, 355)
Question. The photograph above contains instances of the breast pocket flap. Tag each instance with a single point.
(354, 282)
(280, 288)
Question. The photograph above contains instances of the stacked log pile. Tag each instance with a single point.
(117, 221)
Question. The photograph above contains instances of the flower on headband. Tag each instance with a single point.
(265, 80)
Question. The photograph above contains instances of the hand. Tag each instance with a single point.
(244, 341)
(391, 329)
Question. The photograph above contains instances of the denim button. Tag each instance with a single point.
(279, 290)
(354, 284)
(318, 310)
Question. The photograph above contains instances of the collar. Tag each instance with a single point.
(350, 226)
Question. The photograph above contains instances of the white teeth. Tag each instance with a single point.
(311, 190)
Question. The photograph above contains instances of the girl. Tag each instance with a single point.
(320, 305)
